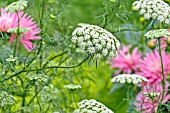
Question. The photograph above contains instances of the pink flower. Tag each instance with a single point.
(10, 20)
(150, 66)
(7, 21)
(148, 99)
(125, 61)
(162, 41)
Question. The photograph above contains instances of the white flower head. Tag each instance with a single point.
(92, 106)
(16, 6)
(6, 100)
(158, 33)
(129, 78)
(95, 40)
(153, 9)
(72, 86)
(151, 94)
(12, 59)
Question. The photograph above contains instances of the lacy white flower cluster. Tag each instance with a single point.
(16, 6)
(129, 78)
(95, 40)
(12, 59)
(153, 9)
(72, 86)
(92, 106)
(49, 93)
(38, 78)
(6, 100)
(151, 94)
(158, 33)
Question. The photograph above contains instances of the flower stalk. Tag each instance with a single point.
(163, 75)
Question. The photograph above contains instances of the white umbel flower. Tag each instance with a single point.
(95, 40)
(6, 100)
(12, 59)
(153, 9)
(129, 78)
(72, 86)
(158, 33)
(17, 6)
(92, 106)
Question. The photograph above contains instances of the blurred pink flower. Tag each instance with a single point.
(125, 61)
(10, 20)
(7, 21)
(163, 42)
(144, 102)
(150, 66)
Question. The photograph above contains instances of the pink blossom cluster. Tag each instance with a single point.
(9, 20)
(129, 61)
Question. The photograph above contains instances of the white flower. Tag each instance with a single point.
(98, 46)
(158, 33)
(147, 16)
(6, 100)
(92, 106)
(12, 59)
(80, 39)
(74, 39)
(89, 43)
(16, 6)
(72, 86)
(103, 42)
(104, 52)
(129, 78)
(86, 37)
(95, 40)
(161, 18)
(91, 50)
(82, 45)
(112, 54)
(108, 45)
(151, 94)
(97, 56)
(96, 35)
(166, 21)
(142, 11)
(154, 15)
(153, 9)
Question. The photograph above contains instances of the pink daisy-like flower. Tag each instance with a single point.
(150, 66)
(126, 62)
(10, 20)
(7, 21)
(148, 99)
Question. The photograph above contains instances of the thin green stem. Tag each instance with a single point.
(135, 30)
(36, 89)
(163, 75)
(120, 104)
(43, 68)
(17, 38)
(54, 57)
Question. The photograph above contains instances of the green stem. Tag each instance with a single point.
(17, 38)
(54, 57)
(43, 68)
(36, 89)
(135, 30)
(163, 75)
(119, 105)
